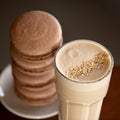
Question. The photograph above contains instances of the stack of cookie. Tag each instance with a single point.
(35, 37)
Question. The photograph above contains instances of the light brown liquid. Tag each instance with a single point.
(81, 97)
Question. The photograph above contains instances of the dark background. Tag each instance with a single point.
(97, 20)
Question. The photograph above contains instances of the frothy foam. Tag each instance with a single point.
(83, 60)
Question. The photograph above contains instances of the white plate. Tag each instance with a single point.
(11, 102)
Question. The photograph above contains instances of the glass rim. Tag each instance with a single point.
(86, 82)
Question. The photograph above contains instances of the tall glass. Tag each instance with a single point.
(81, 100)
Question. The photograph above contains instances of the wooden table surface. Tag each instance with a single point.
(111, 104)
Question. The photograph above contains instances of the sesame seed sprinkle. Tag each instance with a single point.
(86, 67)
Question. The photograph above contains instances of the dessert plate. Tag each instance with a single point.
(11, 102)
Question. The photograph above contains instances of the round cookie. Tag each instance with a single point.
(37, 92)
(34, 97)
(36, 102)
(35, 33)
(30, 64)
(32, 79)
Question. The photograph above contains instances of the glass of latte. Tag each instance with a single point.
(83, 71)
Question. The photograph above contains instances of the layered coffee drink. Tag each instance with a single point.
(83, 71)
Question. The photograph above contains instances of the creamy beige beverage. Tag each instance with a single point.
(83, 71)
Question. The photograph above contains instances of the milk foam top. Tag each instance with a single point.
(83, 60)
